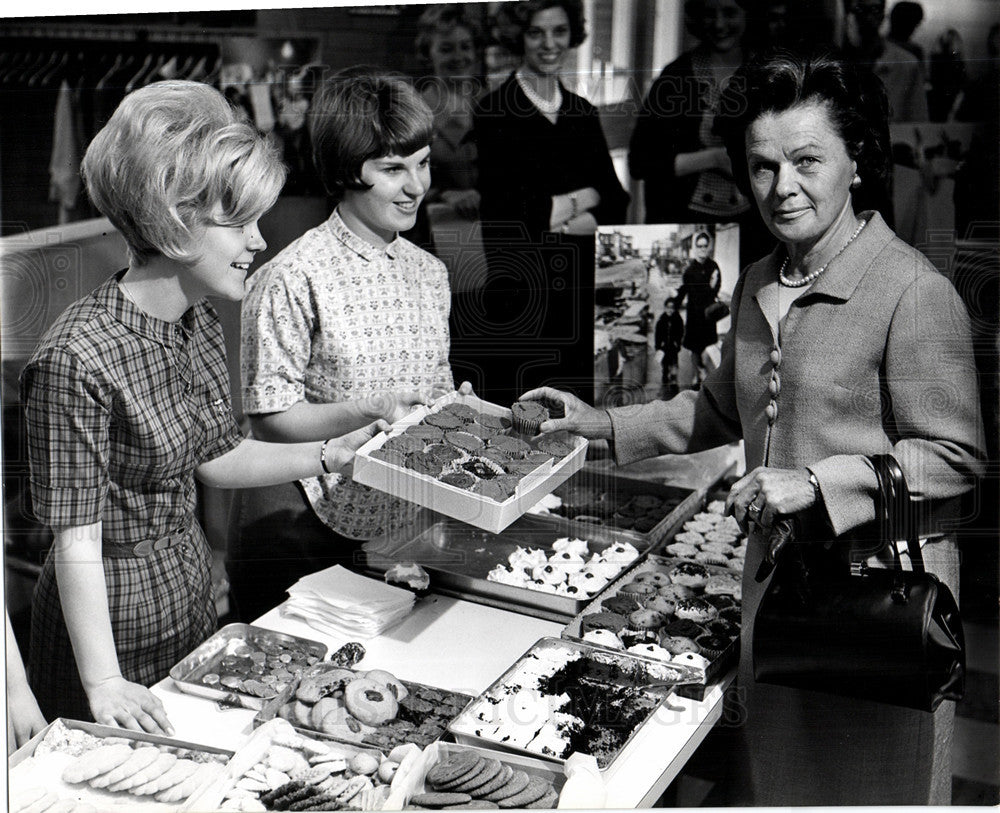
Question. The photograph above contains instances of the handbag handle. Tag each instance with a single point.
(895, 516)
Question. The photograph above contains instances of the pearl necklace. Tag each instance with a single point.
(548, 108)
(800, 283)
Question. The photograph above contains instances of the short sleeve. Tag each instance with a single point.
(222, 432)
(277, 329)
(68, 419)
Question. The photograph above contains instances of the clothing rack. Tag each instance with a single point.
(164, 33)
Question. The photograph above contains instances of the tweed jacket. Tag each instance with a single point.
(876, 357)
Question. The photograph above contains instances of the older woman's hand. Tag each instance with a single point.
(766, 493)
(580, 417)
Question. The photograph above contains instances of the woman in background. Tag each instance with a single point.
(127, 404)
(547, 181)
(701, 282)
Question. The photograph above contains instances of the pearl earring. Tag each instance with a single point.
(856, 182)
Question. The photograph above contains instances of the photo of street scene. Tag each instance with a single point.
(660, 307)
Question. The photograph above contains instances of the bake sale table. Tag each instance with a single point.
(463, 646)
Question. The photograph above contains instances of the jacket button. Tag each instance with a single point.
(776, 357)
(774, 387)
(771, 411)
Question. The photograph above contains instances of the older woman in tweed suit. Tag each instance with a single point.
(846, 342)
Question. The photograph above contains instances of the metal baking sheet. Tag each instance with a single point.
(273, 706)
(187, 674)
(614, 489)
(715, 669)
(458, 557)
(499, 696)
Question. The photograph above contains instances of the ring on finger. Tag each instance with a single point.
(753, 511)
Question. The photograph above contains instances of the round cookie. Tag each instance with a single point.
(497, 782)
(440, 799)
(369, 702)
(452, 768)
(547, 802)
(489, 771)
(517, 783)
(533, 791)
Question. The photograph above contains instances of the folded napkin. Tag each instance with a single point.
(339, 602)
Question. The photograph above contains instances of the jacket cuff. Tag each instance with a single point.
(848, 485)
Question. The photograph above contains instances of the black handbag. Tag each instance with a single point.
(716, 311)
(884, 634)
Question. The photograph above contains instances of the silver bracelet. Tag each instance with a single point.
(322, 456)
(573, 204)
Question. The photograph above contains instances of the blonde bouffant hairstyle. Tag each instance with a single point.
(176, 157)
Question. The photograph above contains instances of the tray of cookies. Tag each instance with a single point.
(369, 708)
(645, 511)
(565, 696)
(245, 665)
(533, 565)
(85, 767)
(469, 459)
(675, 610)
(278, 768)
(453, 775)
(710, 537)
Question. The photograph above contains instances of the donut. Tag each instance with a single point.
(370, 702)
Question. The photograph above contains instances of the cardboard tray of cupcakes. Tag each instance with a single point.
(676, 610)
(463, 457)
(466, 776)
(648, 512)
(533, 566)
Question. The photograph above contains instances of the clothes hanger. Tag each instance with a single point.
(36, 76)
(135, 81)
(58, 71)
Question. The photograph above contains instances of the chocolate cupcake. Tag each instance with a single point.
(482, 468)
(464, 440)
(404, 444)
(724, 627)
(720, 600)
(444, 420)
(631, 636)
(518, 467)
(391, 456)
(443, 453)
(527, 417)
(426, 432)
(712, 646)
(554, 446)
(484, 433)
(423, 463)
(637, 588)
(463, 412)
(645, 619)
(490, 489)
(603, 621)
(683, 627)
(678, 644)
(515, 448)
(498, 423)
(623, 604)
(734, 614)
(459, 479)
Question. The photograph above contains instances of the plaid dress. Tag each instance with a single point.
(121, 408)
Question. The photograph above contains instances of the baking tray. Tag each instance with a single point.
(456, 502)
(380, 739)
(679, 505)
(18, 769)
(458, 557)
(715, 669)
(207, 658)
(441, 751)
(515, 702)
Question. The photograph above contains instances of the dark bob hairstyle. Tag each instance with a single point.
(362, 113)
(524, 11)
(779, 80)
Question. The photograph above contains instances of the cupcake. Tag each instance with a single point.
(425, 432)
(685, 628)
(391, 456)
(605, 638)
(463, 412)
(497, 423)
(444, 420)
(723, 583)
(720, 601)
(492, 490)
(527, 417)
(637, 589)
(443, 453)
(565, 544)
(423, 463)
(654, 651)
(603, 621)
(404, 443)
(587, 582)
(689, 574)
(631, 636)
(710, 558)
(734, 614)
(645, 619)
(691, 659)
(514, 448)
(556, 447)
(675, 591)
(661, 604)
(682, 550)
(465, 441)
(712, 646)
(623, 604)
(482, 468)
(655, 577)
(676, 644)
(459, 479)
(695, 609)
(724, 627)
